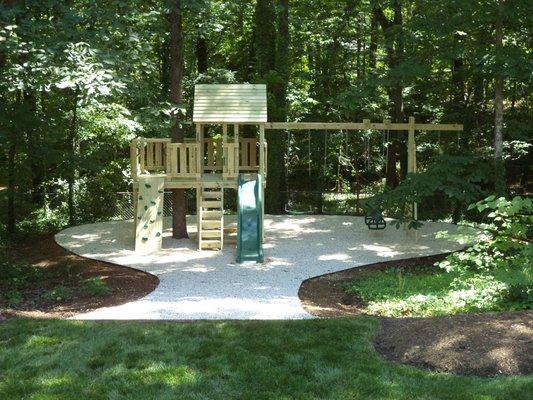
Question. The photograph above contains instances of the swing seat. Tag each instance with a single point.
(375, 221)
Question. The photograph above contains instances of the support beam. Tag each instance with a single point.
(411, 157)
(355, 126)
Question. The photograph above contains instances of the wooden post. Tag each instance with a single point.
(237, 149)
(199, 171)
(411, 157)
(262, 163)
(200, 155)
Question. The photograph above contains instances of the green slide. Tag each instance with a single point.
(250, 219)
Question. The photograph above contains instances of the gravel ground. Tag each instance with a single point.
(210, 285)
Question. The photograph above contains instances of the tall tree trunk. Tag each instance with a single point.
(179, 200)
(394, 48)
(201, 51)
(11, 152)
(498, 106)
(267, 61)
(373, 47)
(72, 175)
(282, 61)
(11, 219)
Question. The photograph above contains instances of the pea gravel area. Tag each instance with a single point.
(210, 285)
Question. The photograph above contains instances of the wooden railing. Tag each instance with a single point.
(188, 160)
(182, 160)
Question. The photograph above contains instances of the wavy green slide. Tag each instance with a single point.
(250, 218)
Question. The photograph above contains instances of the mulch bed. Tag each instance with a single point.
(126, 284)
(487, 344)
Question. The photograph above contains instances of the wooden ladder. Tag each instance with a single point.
(211, 221)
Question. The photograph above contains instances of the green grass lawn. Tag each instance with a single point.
(313, 359)
(430, 291)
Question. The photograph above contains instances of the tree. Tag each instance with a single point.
(394, 45)
(179, 201)
(498, 102)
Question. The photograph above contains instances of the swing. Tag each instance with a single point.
(374, 218)
(375, 221)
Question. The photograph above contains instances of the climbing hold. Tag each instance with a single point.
(147, 185)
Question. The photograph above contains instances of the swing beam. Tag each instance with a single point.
(411, 127)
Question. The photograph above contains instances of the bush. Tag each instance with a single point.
(96, 287)
(59, 293)
(492, 275)
(13, 298)
(16, 276)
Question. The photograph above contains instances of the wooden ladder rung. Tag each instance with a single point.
(212, 195)
(210, 244)
(211, 224)
(211, 234)
(211, 204)
(210, 214)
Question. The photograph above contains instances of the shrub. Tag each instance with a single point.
(96, 287)
(16, 276)
(13, 298)
(59, 293)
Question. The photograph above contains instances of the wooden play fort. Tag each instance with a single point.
(225, 160)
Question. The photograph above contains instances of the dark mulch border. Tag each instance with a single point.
(488, 344)
(126, 284)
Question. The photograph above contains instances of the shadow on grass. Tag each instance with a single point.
(221, 360)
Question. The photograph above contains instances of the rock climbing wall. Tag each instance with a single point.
(149, 222)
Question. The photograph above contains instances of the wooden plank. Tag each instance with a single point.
(359, 126)
(174, 158)
(183, 158)
(155, 140)
(134, 159)
(142, 162)
(193, 151)
(158, 158)
(212, 204)
(253, 154)
(168, 158)
(210, 153)
(149, 155)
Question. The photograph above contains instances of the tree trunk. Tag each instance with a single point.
(373, 47)
(394, 48)
(201, 52)
(498, 106)
(73, 165)
(282, 106)
(179, 200)
(270, 55)
(11, 219)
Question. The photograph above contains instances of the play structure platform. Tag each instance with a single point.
(230, 152)
(211, 165)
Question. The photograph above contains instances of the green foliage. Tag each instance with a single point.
(460, 179)
(96, 287)
(17, 275)
(429, 292)
(13, 298)
(58, 293)
(495, 273)
(79, 79)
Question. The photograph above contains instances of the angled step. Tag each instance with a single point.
(212, 195)
(211, 214)
(211, 224)
(211, 204)
(210, 244)
(211, 234)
